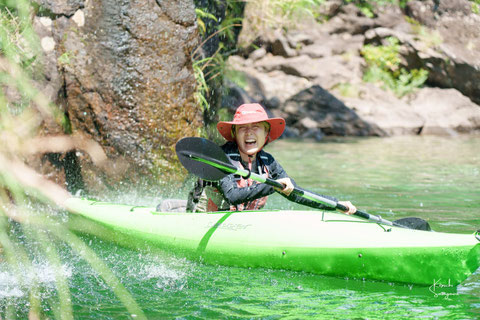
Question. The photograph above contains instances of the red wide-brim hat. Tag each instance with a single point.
(252, 113)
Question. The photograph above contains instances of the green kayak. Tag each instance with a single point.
(325, 243)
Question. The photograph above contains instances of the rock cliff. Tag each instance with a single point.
(313, 75)
(121, 71)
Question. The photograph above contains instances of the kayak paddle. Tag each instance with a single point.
(207, 160)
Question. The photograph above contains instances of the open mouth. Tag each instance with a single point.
(250, 142)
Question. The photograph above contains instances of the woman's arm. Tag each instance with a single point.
(236, 195)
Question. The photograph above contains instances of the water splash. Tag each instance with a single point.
(17, 285)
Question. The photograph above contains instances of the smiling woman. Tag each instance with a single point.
(251, 138)
(248, 133)
(251, 129)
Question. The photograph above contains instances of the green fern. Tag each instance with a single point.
(384, 68)
(475, 6)
(201, 15)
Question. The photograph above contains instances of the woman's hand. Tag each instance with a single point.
(351, 208)
(288, 186)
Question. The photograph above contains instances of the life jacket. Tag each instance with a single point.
(206, 197)
(243, 183)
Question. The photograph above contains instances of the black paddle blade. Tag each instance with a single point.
(414, 223)
(190, 149)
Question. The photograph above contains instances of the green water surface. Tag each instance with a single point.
(433, 178)
(437, 179)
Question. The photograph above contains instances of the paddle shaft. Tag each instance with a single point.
(229, 168)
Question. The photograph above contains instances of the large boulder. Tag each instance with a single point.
(317, 109)
(267, 82)
(430, 111)
(126, 82)
(446, 112)
(393, 115)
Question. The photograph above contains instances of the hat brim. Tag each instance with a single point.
(277, 126)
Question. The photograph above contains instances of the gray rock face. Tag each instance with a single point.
(127, 81)
(446, 112)
(181, 11)
(455, 62)
(328, 68)
(428, 12)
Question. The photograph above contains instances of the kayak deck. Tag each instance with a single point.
(326, 243)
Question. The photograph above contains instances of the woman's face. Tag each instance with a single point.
(251, 137)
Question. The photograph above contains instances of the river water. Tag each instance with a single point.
(433, 178)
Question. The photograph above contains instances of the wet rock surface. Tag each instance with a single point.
(124, 79)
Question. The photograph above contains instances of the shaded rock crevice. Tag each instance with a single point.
(69, 163)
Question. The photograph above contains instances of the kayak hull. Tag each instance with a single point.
(324, 243)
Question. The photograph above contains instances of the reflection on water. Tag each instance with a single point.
(432, 178)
